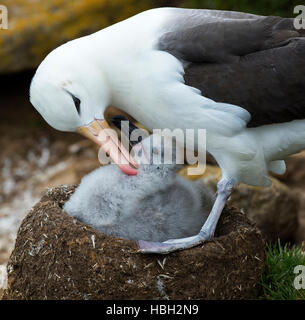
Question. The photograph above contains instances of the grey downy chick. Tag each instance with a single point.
(155, 205)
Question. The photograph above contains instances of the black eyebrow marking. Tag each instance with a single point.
(77, 103)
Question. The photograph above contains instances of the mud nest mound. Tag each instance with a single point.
(57, 257)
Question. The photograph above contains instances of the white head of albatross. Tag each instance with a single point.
(72, 95)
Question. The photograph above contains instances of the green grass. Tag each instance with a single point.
(278, 277)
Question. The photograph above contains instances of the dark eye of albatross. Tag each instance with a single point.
(76, 103)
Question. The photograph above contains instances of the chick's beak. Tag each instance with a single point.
(100, 132)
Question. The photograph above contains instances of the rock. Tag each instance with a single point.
(300, 234)
(295, 173)
(3, 279)
(274, 209)
(295, 179)
(56, 257)
(37, 27)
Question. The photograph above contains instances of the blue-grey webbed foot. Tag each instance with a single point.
(224, 190)
(171, 245)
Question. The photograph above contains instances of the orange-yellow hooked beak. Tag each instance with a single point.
(100, 132)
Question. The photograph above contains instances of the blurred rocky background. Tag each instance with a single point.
(34, 156)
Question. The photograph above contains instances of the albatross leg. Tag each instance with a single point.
(224, 190)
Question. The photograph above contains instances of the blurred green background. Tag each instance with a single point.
(37, 27)
(282, 8)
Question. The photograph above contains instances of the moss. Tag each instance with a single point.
(278, 277)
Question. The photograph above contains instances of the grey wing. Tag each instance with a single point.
(268, 84)
(222, 36)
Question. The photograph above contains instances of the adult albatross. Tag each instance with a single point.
(239, 76)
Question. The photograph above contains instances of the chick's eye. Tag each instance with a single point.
(76, 103)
